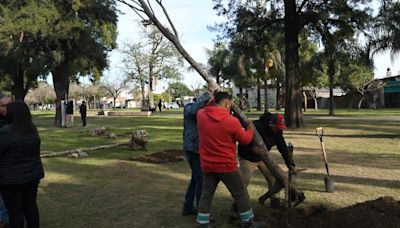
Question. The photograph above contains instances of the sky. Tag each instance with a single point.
(191, 18)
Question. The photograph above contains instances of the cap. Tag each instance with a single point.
(279, 121)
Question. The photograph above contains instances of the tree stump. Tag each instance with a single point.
(139, 140)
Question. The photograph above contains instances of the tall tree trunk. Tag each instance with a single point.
(360, 102)
(305, 101)
(278, 96)
(293, 109)
(142, 85)
(151, 100)
(61, 87)
(266, 94)
(18, 89)
(331, 75)
(315, 103)
(114, 98)
(258, 94)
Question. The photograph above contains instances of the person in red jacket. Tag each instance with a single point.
(218, 133)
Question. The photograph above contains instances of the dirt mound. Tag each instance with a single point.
(383, 212)
(166, 156)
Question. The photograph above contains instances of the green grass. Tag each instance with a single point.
(108, 190)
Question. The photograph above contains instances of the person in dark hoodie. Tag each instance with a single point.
(191, 148)
(271, 127)
(20, 166)
(83, 112)
(4, 101)
(218, 133)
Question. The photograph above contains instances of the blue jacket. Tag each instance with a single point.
(190, 134)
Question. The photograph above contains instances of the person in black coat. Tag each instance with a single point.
(20, 166)
(83, 110)
(271, 127)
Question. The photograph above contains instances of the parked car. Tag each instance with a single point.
(171, 105)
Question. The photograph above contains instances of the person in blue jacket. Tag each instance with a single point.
(191, 148)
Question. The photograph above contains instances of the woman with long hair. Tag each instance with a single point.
(20, 166)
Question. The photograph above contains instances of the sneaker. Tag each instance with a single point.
(189, 211)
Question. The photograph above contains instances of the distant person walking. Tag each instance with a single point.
(82, 111)
(20, 166)
(160, 105)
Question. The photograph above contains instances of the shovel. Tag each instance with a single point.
(319, 131)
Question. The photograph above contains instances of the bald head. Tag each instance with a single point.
(4, 101)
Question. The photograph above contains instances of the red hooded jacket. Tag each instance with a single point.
(218, 133)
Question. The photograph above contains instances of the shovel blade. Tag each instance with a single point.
(328, 184)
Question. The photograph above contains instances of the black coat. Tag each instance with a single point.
(83, 110)
(270, 139)
(19, 157)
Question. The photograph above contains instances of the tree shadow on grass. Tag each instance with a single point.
(355, 180)
(373, 136)
(312, 159)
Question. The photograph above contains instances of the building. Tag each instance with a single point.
(384, 92)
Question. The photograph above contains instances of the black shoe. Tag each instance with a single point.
(189, 211)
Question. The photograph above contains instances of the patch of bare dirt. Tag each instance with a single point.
(383, 212)
(166, 156)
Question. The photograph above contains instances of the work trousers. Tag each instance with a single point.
(235, 186)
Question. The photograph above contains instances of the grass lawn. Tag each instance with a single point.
(108, 190)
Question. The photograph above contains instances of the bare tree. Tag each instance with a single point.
(114, 88)
(145, 11)
(43, 94)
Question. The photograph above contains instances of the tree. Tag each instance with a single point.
(178, 89)
(157, 59)
(23, 56)
(295, 15)
(114, 88)
(217, 61)
(144, 10)
(43, 94)
(81, 34)
(387, 28)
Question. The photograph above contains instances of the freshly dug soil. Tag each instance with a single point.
(166, 156)
(383, 212)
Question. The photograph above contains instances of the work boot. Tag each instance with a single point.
(188, 211)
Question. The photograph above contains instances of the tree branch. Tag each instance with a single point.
(301, 6)
(168, 18)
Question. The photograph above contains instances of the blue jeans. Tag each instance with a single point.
(196, 182)
(3, 211)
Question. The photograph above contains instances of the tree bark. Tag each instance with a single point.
(258, 94)
(293, 109)
(61, 87)
(278, 96)
(305, 101)
(360, 102)
(143, 94)
(331, 75)
(265, 94)
(18, 89)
